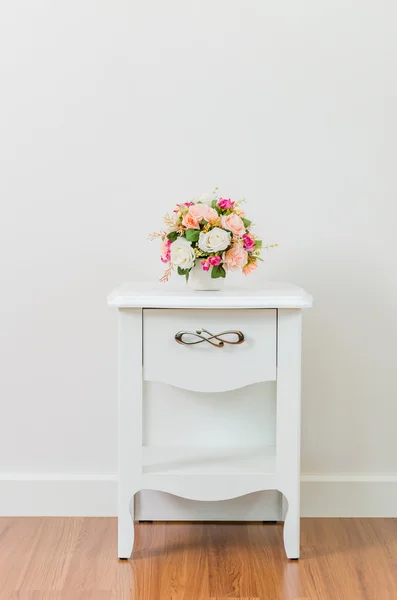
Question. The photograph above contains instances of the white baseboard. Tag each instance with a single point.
(349, 495)
(96, 495)
(72, 495)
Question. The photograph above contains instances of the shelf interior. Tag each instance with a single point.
(170, 460)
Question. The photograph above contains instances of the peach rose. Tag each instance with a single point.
(235, 258)
(249, 268)
(233, 223)
(191, 221)
(203, 211)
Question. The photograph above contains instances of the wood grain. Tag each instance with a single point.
(76, 559)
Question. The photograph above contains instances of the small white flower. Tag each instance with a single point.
(204, 199)
(182, 254)
(215, 240)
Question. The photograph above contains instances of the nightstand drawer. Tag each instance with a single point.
(209, 350)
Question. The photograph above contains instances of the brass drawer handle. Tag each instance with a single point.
(209, 337)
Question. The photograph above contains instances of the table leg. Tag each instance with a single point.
(130, 424)
(289, 423)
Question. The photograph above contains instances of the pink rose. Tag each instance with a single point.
(249, 268)
(165, 250)
(235, 258)
(178, 206)
(203, 211)
(233, 223)
(225, 203)
(215, 261)
(206, 265)
(249, 243)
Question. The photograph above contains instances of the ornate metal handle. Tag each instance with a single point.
(209, 337)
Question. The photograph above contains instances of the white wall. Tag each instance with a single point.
(113, 111)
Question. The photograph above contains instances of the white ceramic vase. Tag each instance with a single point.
(200, 280)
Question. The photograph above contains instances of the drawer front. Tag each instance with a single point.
(190, 348)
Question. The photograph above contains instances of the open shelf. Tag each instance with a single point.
(186, 460)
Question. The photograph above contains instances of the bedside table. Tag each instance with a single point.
(209, 342)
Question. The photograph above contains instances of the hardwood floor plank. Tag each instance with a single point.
(195, 564)
(51, 555)
(234, 559)
(18, 540)
(54, 595)
(182, 562)
(92, 562)
(225, 570)
(268, 556)
(76, 559)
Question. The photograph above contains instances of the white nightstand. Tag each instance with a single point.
(167, 335)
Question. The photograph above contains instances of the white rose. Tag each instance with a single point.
(215, 240)
(182, 254)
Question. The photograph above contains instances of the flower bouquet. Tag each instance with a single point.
(206, 239)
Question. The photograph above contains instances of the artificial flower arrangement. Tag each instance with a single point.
(213, 231)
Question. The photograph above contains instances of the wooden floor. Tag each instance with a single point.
(75, 559)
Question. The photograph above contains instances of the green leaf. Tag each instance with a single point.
(192, 235)
(258, 243)
(172, 235)
(185, 272)
(203, 222)
(214, 204)
(217, 272)
(246, 222)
